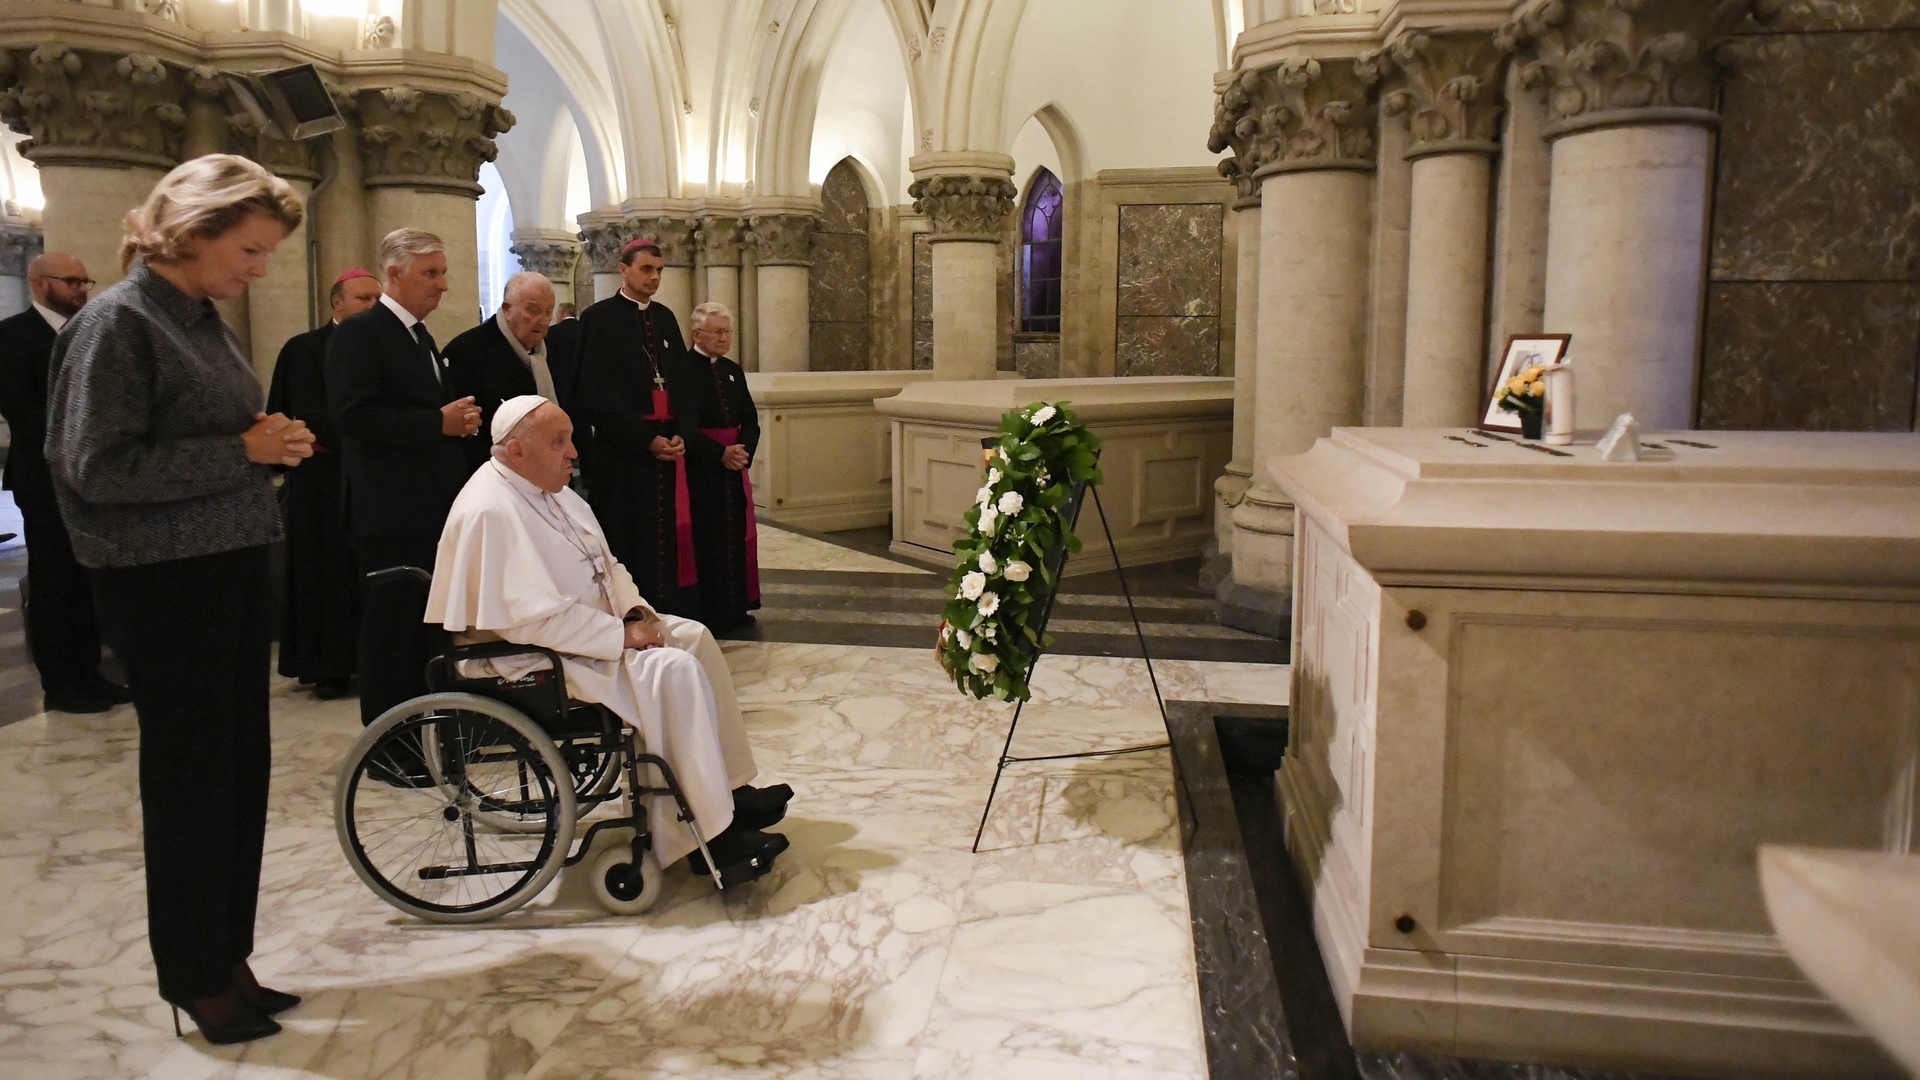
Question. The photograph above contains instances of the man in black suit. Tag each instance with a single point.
(320, 618)
(401, 420)
(62, 633)
(563, 354)
(506, 356)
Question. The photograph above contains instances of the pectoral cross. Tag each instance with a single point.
(659, 380)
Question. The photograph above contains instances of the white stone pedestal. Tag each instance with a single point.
(1546, 709)
(825, 459)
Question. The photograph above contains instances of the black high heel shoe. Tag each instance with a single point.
(270, 1001)
(251, 1025)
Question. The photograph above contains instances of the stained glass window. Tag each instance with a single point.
(1040, 231)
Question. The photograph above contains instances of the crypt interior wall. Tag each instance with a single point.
(839, 280)
(1813, 294)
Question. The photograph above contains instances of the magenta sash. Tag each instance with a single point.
(730, 436)
(689, 573)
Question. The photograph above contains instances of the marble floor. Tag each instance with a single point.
(879, 947)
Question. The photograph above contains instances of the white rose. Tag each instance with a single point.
(984, 496)
(989, 518)
(993, 477)
(966, 639)
(1018, 571)
(985, 663)
(987, 565)
(972, 585)
(989, 603)
(989, 634)
(1042, 415)
(1011, 502)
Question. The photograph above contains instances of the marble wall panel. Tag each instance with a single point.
(838, 346)
(922, 302)
(840, 280)
(1157, 345)
(1810, 356)
(1170, 258)
(1819, 167)
(1037, 357)
(1801, 15)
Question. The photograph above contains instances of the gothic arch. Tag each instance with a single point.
(589, 102)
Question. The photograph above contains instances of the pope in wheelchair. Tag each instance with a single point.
(564, 684)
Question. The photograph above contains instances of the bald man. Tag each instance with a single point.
(506, 356)
(62, 633)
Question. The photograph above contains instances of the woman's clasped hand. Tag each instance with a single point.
(277, 440)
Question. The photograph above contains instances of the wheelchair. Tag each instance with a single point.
(462, 804)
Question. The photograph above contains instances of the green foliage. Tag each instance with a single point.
(989, 632)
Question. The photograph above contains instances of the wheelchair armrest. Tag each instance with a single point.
(394, 573)
(440, 667)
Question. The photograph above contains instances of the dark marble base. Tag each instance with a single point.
(1265, 1000)
(1257, 611)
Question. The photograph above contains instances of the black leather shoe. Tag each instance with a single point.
(270, 1001)
(250, 1025)
(760, 808)
(743, 854)
(101, 686)
(332, 689)
(77, 701)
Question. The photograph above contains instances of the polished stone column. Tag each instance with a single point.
(603, 233)
(674, 234)
(1231, 487)
(721, 240)
(783, 256)
(968, 213)
(421, 152)
(1304, 130)
(551, 253)
(1450, 100)
(1627, 225)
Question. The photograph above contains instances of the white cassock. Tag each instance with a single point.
(518, 564)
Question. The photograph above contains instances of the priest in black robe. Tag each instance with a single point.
(320, 613)
(718, 460)
(639, 393)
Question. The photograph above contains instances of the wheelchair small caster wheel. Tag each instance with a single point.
(623, 887)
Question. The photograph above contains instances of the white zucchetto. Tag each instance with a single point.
(511, 412)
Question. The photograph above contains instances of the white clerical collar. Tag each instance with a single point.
(704, 353)
(500, 320)
(54, 318)
(519, 483)
(407, 318)
(641, 304)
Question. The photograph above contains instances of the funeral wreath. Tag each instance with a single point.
(1018, 536)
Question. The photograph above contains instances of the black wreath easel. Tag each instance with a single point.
(1056, 564)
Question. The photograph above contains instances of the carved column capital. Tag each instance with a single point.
(93, 107)
(1451, 95)
(1610, 62)
(604, 234)
(964, 207)
(674, 235)
(20, 242)
(781, 239)
(550, 258)
(429, 139)
(1298, 115)
(721, 239)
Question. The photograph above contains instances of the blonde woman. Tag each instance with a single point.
(161, 461)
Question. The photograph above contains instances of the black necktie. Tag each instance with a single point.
(425, 339)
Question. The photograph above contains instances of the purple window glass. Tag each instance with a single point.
(1040, 230)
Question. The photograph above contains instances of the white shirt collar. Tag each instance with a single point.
(641, 304)
(407, 318)
(500, 320)
(54, 318)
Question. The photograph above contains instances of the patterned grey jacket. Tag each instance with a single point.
(148, 397)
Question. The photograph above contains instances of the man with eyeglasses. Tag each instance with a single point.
(62, 633)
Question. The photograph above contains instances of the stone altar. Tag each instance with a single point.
(1167, 438)
(1547, 708)
(824, 461)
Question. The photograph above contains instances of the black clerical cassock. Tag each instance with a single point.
(320, 622)
(635, 384)
(723, 522)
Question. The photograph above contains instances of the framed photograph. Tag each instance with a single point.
(1523, 351)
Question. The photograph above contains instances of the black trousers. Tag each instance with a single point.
(62, 632)
(395, 644)
(194, 637)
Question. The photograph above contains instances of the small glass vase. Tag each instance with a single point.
(1531, 421)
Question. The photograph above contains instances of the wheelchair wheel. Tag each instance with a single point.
(624, 887)
(593, 772)
(415, 794)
